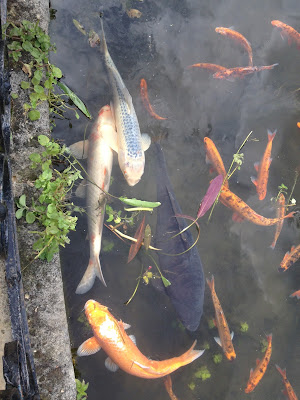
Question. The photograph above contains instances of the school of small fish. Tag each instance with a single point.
(117, 129)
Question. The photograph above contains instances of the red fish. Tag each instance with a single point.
(290, 258)
(288, 31)
(145, 99)
(231, 74)
(261, 367)
(289, 391)
(210, 67)
(239, 38)
(262, 168)
(280, 214)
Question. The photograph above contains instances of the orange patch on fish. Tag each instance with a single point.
(298, 124)
(240, 72)
(213, 156)
(279, 214)
(208, 66)
(145, 99)
(290, 258)
(296, 294)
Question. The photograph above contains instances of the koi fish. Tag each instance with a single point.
(225, 339)
(239, 38)
(280, 214)
(298, 124)
(208, 66)
(109, 334)
(288, 391)
(231, 74)
(262, 168)
(185, 271)
(231, 200)
(99, 156)
(286, 30)
(290, 258)
(261, 367)
(128, 142)
(213, 157)
(169, 389)
(145, 99)
(296, 294)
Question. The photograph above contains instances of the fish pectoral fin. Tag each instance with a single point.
(80, 192)
(146, 141)
(257, 361)
(110, 365)
(231, 335)
(125, 326)
(254, 180)
(111, 138)
(251, 372)
(218, 340)
(132, 338)
(89, 347)
(256, 166)
(79, 149)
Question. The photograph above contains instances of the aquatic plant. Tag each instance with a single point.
(81, 388)
(217, 358)
(192, 385)
(244, 327)
(263, 345)
(202, 373)
(28, 40)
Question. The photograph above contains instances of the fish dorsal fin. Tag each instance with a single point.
(132, 338)
(257, 361)
(254, 180)
(80, 192)
(79, 149)
(256, 166)
(110, 365)
(218, 340)
(89, 347)
(146, 141)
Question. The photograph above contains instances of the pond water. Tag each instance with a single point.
(158, 46)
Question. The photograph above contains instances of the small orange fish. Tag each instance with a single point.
(225, 339)
(213, 157)
(280, 214)
(261, 367)
(231, 200)
(290, 258)
(262, 168)
(109, 334)
(289, 391)
(240, 72)
(296, 294)
(210, 67)
(145, 99)
(298, 124)
(238, 37)
(288, 31)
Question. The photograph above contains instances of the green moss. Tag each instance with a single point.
(192, 385)
(202, 373)
(206, 346)
(244, 327)
(217, 358)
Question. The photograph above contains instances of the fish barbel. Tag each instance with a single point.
(128, 143)
(110, 335)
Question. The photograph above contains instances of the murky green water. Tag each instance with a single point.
(169, 36)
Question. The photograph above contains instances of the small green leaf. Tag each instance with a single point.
(14, 95)
(110, 218)
(25, 85)
(22, 200)
(35, 157)
(19, 213)
(56, 72)
(38, 89)
(26, 106)
(140, 203)
(34, 115)
(27, 46)
(76, 100)
(165, 281)
(30, 217)
(43, 140)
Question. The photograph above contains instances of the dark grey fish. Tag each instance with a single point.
(185, 271)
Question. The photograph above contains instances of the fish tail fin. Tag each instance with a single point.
(211, 283)
(269, 338)
(273, 245)
(290, 215)
(103, 45)
(281, 371)
(88, 279)
(191, 355)
(271, 135)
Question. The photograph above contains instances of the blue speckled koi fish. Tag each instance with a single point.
(129, 143)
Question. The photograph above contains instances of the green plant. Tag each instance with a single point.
(202, 373)
(81, 388)
(51, 210)
(217, 358)
(26, 39)
(244, 327)
(263, 345)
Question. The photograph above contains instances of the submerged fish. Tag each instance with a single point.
(145, 99)
(289, 391)
(262, 168)
(290, 258)
(239, 38)
(279, 214)
(240, 72)
(225, 339)
(261, 367)
(128, 143)
(231, 200)
(296, 294)
(288, 31)
(99, 157)
(208, 66)
(110, 335)
(213, 157)
(184, 271)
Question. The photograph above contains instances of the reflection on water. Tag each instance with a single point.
(158, 46)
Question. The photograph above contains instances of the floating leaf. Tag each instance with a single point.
(133, 13)
(211, 195)
(165, 281)
(139, 203)
(139, 235)
(79, 26)
(76, 100)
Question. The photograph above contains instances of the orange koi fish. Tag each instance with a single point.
(280, 214)
(288, 391)
(145, 99)
(213, 157)
(262, 168)
(288, 31)
(261, 367)
(296, 294)
(238, 37)
(290, 258)
(210, 67)
(225, 339)
(109, 333)
(231, 200)
(231, 74)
